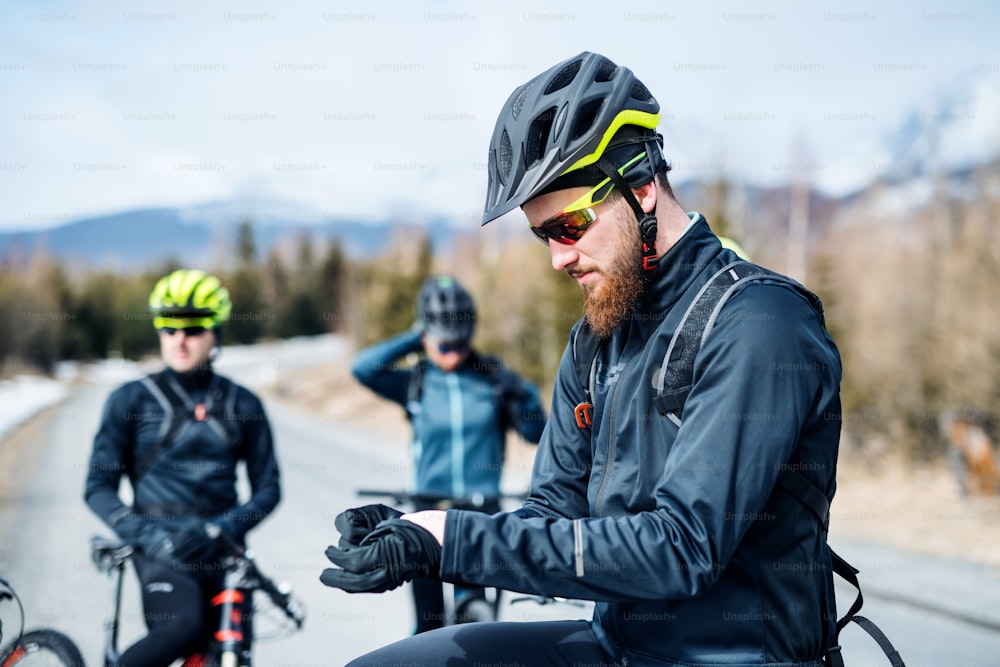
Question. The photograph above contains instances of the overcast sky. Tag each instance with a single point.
(386, 108)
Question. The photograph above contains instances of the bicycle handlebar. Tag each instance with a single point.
(107, 554)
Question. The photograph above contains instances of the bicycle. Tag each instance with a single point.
(43, 646)
(458, 607)
(231, 643)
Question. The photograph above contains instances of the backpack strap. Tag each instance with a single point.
(415, 388)
(586, 346)
(173, 408)
(833, 657)
(179, 409)
(810, 496)
(676, 377)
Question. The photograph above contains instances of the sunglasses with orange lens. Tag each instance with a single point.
(567, 227)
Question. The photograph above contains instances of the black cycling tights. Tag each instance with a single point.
(569, 643)
(173, 605)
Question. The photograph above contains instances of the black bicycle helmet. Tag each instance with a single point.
(446, 310)
(566, 120)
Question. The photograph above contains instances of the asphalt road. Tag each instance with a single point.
(936, 612)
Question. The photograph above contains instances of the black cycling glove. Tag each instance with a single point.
(395, 552)
(354, 524)
(156, 543)
(191, 543)
(196, 542)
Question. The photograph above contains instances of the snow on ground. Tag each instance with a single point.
(24, 395)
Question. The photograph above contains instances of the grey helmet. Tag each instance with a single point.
(445, 310)
(562, 123)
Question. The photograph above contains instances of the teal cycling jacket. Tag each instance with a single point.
(459, 419)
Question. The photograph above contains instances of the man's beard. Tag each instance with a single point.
(613, 298)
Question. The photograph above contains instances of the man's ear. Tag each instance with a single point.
(646, 196)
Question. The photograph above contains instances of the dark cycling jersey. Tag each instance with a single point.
(192, 475)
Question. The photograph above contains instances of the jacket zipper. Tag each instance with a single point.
(611, 434)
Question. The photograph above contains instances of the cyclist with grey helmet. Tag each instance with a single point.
(676, 523)
(178, 436)
(460, 404)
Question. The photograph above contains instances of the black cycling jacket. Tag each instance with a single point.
(195, 476)
(679, 534)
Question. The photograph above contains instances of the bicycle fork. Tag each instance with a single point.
(233, 635)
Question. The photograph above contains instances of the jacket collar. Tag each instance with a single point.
(679, 267)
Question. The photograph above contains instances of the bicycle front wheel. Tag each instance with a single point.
(42, 648)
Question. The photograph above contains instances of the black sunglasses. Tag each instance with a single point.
(567, 227)
(444, 347)
(188, 331)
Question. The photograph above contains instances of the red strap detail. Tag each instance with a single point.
(200, 412)
(230, 635)
(18, 653)
(649, 258)
(583, 413)
(228, 595)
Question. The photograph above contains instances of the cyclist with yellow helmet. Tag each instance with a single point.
(673, 523)
(177, 436)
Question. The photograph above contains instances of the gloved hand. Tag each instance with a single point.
(395, 552)
(196, 542)
(354, 524)
(155, 542)
(231, 531)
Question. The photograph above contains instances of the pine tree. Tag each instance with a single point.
(247, 323)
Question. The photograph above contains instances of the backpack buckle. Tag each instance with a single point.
(584, 415)
(833, 658)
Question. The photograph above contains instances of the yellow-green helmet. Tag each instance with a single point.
(189, 298)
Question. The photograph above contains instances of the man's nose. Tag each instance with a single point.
(563, 255)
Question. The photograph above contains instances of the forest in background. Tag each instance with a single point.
(908, 289)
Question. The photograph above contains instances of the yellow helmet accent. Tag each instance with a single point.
(626, 117)
(189, 298)
(590, 198)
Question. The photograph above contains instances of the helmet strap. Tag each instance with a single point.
(647, 221)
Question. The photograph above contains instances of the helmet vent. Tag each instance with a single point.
(564, 77)
(585, 118)
(506, 157)
(605, 71)
(515, 110)
(538, 136)
(640, 92)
